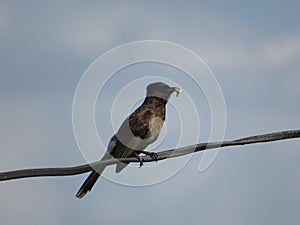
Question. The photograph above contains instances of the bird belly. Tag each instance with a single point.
(155, 127)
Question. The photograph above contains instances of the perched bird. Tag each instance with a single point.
(138, 130)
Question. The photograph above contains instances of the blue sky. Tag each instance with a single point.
(253, 49)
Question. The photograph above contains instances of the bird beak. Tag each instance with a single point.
(177, 90)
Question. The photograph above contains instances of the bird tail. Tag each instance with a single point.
(88, 184)
(91, 180)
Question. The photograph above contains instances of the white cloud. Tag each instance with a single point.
(26, 127)
(91, 29)
(4, 17)
(230, 56)
(282, 51)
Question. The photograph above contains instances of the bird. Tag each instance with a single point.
(138, 130)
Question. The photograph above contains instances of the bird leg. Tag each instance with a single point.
(139, 158)
(153, 155)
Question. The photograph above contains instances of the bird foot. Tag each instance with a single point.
(140, 159)
(153, 155)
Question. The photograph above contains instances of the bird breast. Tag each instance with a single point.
(155, 125)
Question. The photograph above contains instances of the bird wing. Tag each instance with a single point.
(139, 121)
(136, 133)
(133, 133)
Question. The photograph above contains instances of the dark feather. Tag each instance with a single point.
(139, 130)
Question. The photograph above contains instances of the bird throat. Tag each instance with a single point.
(158, 104)
(155, 100)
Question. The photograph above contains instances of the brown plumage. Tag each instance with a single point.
(139, 130)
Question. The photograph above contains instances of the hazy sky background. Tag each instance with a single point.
(253, 49)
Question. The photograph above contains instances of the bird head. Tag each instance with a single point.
(161, 90)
